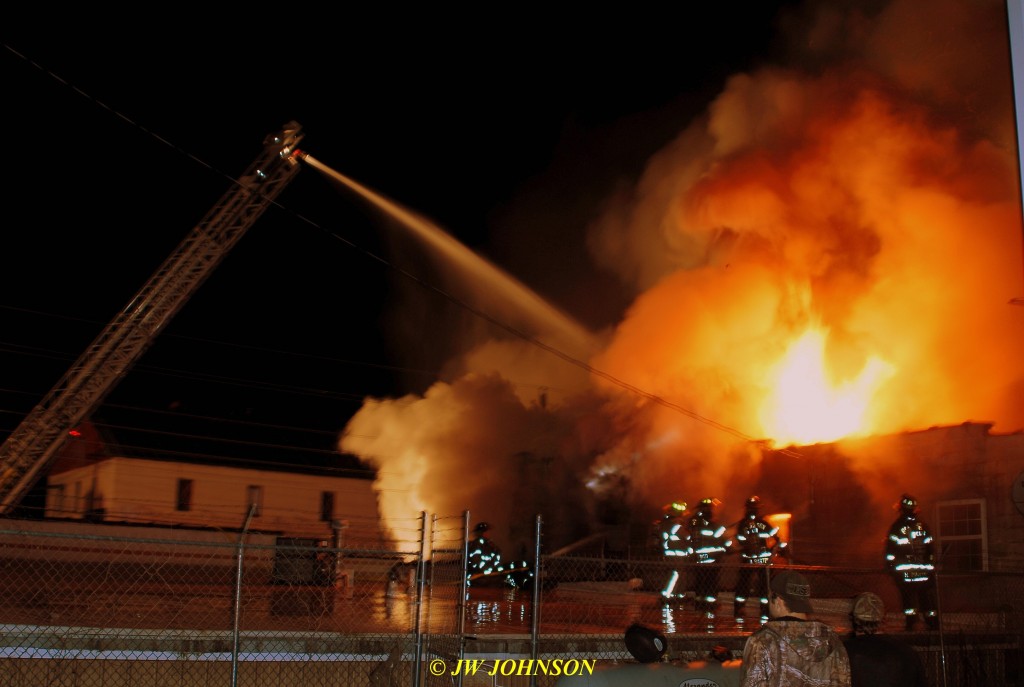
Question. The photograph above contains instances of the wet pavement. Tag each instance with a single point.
(609, 608)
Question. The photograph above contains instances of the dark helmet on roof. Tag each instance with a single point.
(908, 504)
(481, 527)
(705, 506)
(753, 503)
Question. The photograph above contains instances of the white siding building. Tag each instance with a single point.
(138, 490)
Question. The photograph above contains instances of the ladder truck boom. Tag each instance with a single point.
(33, 444)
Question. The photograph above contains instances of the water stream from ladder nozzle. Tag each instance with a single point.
(546, 322)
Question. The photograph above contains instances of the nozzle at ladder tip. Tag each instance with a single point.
(309, 160)
(293, 157)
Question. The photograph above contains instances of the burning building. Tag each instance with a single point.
(844, 495)
(822, 261)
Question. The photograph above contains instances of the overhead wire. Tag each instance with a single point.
(207, 378)
(514, 331)
(360, 396)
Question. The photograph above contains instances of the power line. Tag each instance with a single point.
(622, 384)
(31, 351)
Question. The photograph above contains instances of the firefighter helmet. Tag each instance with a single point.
(674, 508)
(753, 503)
(481, 527)
(908, 504)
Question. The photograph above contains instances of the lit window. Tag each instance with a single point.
(962, 538)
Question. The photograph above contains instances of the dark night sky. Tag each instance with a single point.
(507, 132)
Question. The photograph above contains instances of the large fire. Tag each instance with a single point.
(807, 405)
(823, 254)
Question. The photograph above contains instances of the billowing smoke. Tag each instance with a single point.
(828, 252)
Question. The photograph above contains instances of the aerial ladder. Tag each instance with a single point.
(30, 448)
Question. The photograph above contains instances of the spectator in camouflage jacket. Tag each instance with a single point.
(790, 650)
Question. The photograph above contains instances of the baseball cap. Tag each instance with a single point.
(868, 608)
(794, 588)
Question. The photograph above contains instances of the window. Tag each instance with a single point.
(184, 501)
(326, 506)
(962, 538)
(55, 499)
(254, 497)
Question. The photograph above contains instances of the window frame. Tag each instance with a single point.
(327, 506)
(55, 495)
(942, 539)
(184, 495)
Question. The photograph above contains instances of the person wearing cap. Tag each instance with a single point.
(791, 650)
(879, 660)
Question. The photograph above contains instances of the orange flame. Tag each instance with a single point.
(806, 406)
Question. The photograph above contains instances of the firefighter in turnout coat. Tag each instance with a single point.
(910, 557)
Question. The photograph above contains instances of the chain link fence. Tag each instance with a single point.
(204, 608)
(978, 641)
(108, 605)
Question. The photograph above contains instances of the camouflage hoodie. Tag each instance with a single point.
(788, 652)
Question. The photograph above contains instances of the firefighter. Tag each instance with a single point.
(706, 542)
(910, 557)
(671, 530)
(484, 556)
(757, 543)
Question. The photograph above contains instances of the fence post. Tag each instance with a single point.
(460, 608)
(535, 602)
(942, 629)
(238, 594)
(420, 575)
(464, 581)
